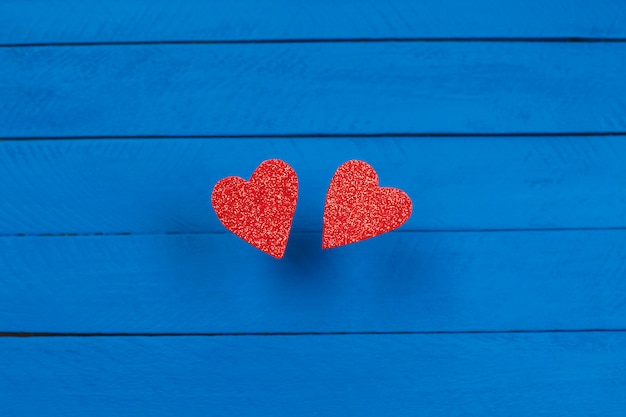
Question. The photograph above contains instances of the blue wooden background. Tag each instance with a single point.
(121, 293)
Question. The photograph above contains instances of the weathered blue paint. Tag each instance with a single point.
(434, 375)
(54, 21)
(157, 186)
(518, 232)
(313, 88)
(439, 281)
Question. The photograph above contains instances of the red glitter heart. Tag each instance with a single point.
(357, 208)
(259, 211)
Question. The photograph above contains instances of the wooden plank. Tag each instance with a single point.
(158, 186)
(407, 375)
(222, 20)
(328, 88)
(396, 282)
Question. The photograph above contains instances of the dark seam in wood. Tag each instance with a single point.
(282, 334)
(557, 39)
(192, 233)
(321, 135)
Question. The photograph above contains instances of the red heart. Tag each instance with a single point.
(259, 211)
(357, 208)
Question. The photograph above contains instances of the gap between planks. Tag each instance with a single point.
(505, 230)
(283, 334)
(564, 39)
(322, 136)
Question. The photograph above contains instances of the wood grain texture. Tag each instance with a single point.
(465, 311)
(158, 186)
(340, 88)
(396, 282)
(158, 20)
(442, 375)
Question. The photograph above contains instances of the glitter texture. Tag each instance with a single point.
(259, 211)
(358, 209)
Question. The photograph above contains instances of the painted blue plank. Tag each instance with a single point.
(328, 88)
(395, 282)
(157, 20)
(157, 186)
(435, 375)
